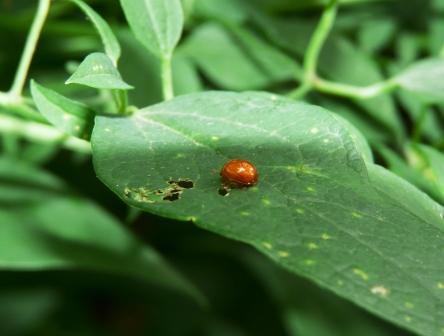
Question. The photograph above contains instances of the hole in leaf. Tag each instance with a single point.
(186, 184)
(172, 197)
(223, 191)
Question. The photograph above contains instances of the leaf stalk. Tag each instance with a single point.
(41, 133)
(30, 46)
(167, 77)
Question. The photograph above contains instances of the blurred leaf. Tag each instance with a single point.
(141, 69)
(39, 153)
(10, 144)
(64, 231)
(400, 167)
(319, 209)
(228, 11)
(98, 71)
(425, 78)
(430, 163)
(21, 312)
(185, 76)
(292, 35)
(425, 119)
(372, 131)
(24, 111)
(436, 37)
(157, 24)
(188, 8)
(237, 61)
(438, 5)
(67, 115)
(308, 310)
(291, 5)
(268, 58)
(112, 47)
(375, 34)
(22, 184)
(340, 61)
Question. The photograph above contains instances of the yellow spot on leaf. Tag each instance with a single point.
(408, 318)
(311, 189)
(380, 290)
(356, 214)
(309, 262)
(409, 305)
(430, 174)
(360, 273)
(312, 246)
(283, 254)
(245, 213)
(300, 211)
(314, 130)
(266, 201)
(440, 285)
(326, 236)
(214, 138)
(267, 245)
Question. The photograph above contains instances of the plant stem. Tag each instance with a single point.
(318, 39)
(301, 90)
(355, 92)
(124, 101)
(167, 78)
(120, 98)
(28, 52)
(37, 132)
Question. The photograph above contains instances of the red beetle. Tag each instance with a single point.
(239, 173)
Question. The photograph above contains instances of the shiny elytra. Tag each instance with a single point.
(239, 173)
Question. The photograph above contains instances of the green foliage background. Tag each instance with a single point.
(76, 260)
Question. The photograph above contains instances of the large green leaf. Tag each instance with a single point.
(50, 228)
(157, 24)
(109, 40)
(319, 209)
